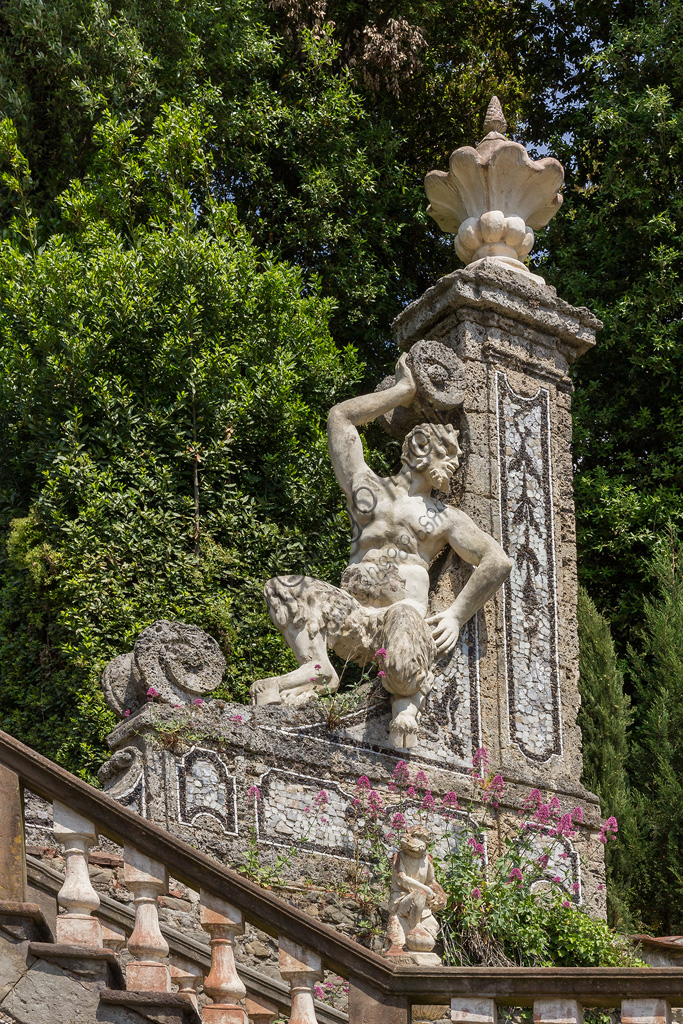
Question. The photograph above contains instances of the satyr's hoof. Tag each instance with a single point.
(265, 691)
(402, 740)
(403, 730)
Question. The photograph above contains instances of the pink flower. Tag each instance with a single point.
(126, 714)
(515, 876)
(398, 821)
(557, 879)
(401, 773)
(533, 799)
(329, 984)
(237, 718)
(254, 792)
(198, 701)
(320, 799)
(543, 814)
(411, 791)
(317, 667)
(450, 799)
(480, 758)
(176, 705)
(381, 674)
(601, 887)
(314, 679)
(608, 830)
(564, 855)
(428, 803)
(575, 887)
(555, 807)
(566, 904)
(577, 815)
(152, 692)
(381, 652)
(476, 894)
(421, 781)
(543, 861)
(564, 826)
(363, 782)
(476, 846)
(318, 992)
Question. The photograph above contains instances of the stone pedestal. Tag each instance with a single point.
(510, 686)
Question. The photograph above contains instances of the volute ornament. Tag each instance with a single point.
(494, 197)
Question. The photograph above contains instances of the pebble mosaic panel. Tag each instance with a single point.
(286, 813)
(206, 789)
(530, 593)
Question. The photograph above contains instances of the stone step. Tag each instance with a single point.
(158, 1007)
(57, 983)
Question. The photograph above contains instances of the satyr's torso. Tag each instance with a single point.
(395, 537)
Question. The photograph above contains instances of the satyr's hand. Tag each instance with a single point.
(404, 379)
(445, 630)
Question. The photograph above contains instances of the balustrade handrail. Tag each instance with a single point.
(517, 986)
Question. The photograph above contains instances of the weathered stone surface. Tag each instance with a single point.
(47, 994)
(12, 861)
(177, 662)
(494, 196)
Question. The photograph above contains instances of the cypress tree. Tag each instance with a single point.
(605, 716)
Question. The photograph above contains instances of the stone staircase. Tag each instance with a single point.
(74, 976)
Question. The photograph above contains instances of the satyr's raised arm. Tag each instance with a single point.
(346, 449)
(492, 569)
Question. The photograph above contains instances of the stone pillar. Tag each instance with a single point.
(223, 984)
(473, 1010)
(77, 896)
(12, 855)
(147, 879)
(645, 1011)
(517, 340)
(301, 968)
(557, 1011)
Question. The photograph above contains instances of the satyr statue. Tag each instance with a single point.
(415, 894)
(399, 527)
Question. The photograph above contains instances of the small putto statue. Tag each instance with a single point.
(412, 928)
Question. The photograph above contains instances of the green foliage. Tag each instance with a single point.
(617, 248)
(605, 718)
(513, 911)
(656, 868)
(163, 389)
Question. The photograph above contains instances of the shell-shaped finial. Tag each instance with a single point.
(494, 119)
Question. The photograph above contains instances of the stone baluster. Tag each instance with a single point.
(301, 968)
(260, 1011)
(77, 896)
(146, 879)
(474, 1010)
(645, 1011)
(188, 977)
(223, 922)
(557, 1011)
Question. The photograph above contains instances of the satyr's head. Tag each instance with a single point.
(432, 449)
(415, 839)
